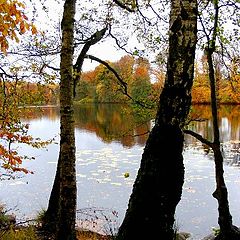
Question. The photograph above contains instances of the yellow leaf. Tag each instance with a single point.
(5, 32)
(34, 30)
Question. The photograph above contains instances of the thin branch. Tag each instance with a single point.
(122, 83)
(5, 73)
(195, 120)
(199, 137)
(118, 43)
(51, 67)
(155, 12)
(142, 134)
(204, 29)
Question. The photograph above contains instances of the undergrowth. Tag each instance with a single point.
(25, 233)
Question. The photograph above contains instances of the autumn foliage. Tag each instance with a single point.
(13, 95)
(100, 85)
(227, 85)
(13, 22)
(145, 83)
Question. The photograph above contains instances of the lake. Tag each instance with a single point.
(109, 143)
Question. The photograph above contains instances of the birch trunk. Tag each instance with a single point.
(158, 186)
(61, 213)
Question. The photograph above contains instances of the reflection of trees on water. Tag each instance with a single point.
(229, 126)
(33, 113)
(117, 122)
(112, 122)
(229, 123)
(232, 153)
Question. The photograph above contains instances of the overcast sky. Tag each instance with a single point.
(47, 18)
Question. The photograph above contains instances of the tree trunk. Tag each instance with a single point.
(68, 190)
(51, 216)
(227, 230)
(61, 213)
(158, 187)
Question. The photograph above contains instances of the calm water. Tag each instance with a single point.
(106, 149)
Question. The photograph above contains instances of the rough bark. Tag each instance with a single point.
(68, 191)
(158, 186)
(51, 216)
(61, 213)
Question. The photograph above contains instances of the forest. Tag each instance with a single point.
(99, 86)
(173, 55)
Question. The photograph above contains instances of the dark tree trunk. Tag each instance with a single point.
(158, 187)
(61, 212)
(50, 218)
(227, 230)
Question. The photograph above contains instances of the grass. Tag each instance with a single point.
(24, 233)
(31, 233)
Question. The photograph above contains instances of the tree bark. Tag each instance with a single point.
(61, 213)
(68, 190)
(158, 186)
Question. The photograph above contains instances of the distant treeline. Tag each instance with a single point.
(100, 85)
(144, 84)
(28, 93)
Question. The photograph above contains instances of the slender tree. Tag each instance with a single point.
(61, 209)
(68, 191)
(158, 186)
(227, 229)
(62, 220)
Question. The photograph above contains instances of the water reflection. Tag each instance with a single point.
(112, 123)
(103, 160)
(119, 123)
(229, 122)
(229, 127)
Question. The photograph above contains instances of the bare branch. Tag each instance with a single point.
(199, 137)
(142, 134)
(119, 44)
(51, 67)
(122, 83)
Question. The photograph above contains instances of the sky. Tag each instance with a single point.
(104, 51)
(49, 14)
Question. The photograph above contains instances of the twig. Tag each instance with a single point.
(123, 84)
(199, 137)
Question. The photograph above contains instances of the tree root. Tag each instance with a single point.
(233, 234)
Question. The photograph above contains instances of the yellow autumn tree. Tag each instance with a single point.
(13, 22)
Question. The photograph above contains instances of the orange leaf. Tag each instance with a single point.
(34, 30)
(22, 27)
